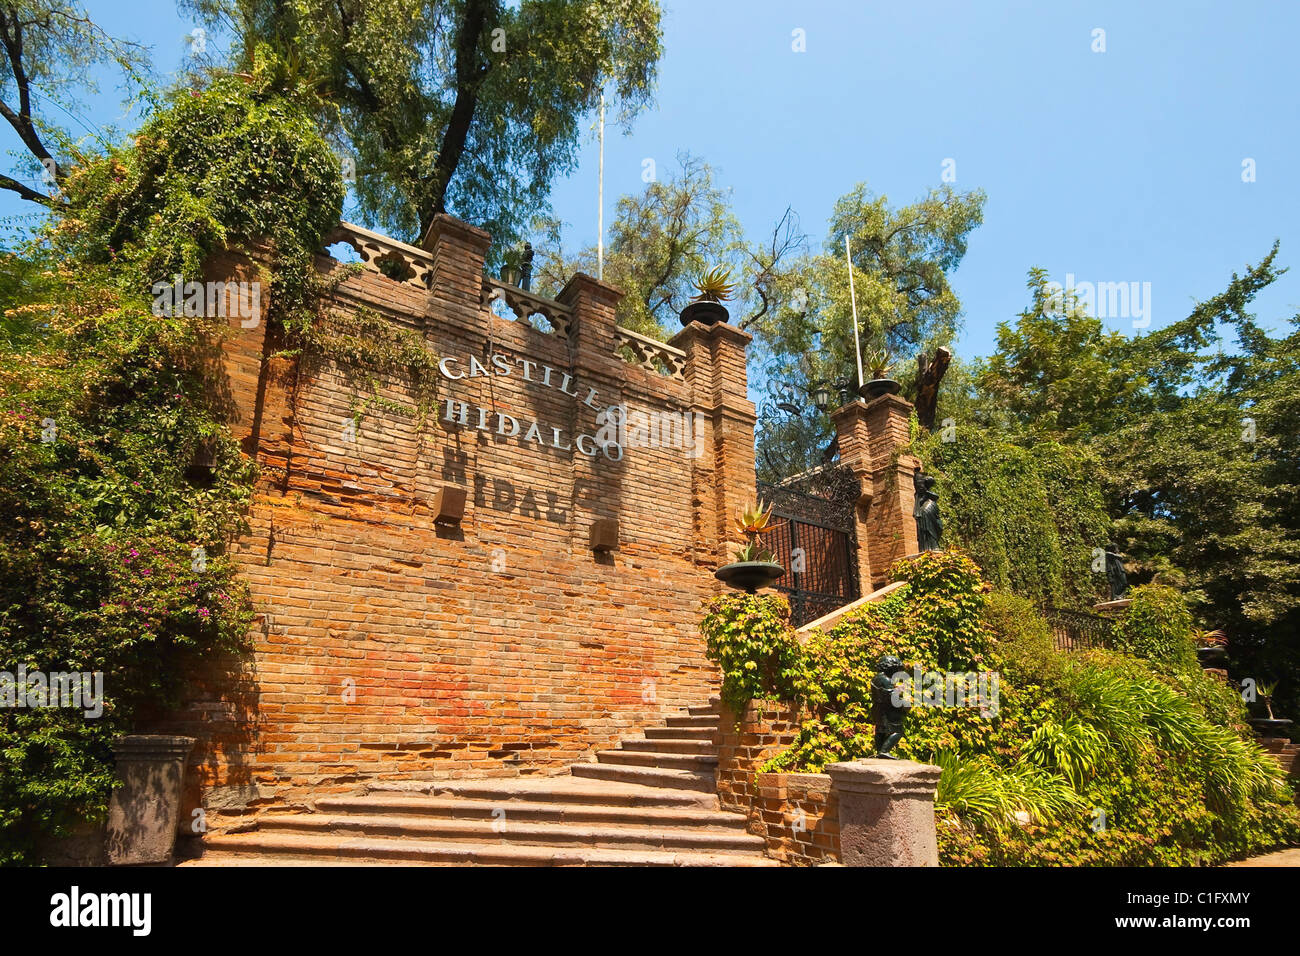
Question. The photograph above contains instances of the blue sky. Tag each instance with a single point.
(1123, 165)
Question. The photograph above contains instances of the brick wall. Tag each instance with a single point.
(796, 813)
(388, 645)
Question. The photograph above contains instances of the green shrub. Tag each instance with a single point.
(750, 638)
(100, 560)
(1157, 626)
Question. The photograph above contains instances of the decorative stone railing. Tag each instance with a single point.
(397, 260)
(649, 353)
(525, 305)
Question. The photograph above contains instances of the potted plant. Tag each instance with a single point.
(715, 288)
(1269, 726)
(754, 567)
(1211, 647)
(878, 362)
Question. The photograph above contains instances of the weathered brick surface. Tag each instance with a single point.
(746, 742)
(390, 646)
(796, 813)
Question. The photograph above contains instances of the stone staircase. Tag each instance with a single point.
(651, 802)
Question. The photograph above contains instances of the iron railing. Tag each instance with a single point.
(1076, 630)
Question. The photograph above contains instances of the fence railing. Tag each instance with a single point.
(1075, 630)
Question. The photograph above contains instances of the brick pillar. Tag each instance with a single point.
(456, 279)
(598, 482)
(723, 476)
(870, 434)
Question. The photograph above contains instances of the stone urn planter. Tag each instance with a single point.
(749, 576)
(706, 313)
(144, 810)
(1271, 726)
(874, 388)
(1211, 655)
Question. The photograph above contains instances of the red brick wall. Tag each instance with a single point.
(796, 813)
(391, 646)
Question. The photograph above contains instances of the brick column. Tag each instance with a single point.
(870, 434)
(598, 482)
(456, 279)
(723, 481)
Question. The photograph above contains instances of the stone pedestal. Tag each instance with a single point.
(886, 812)
(144, 811)
(1112, 608)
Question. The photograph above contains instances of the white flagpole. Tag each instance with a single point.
(853, 296)
(600, 199)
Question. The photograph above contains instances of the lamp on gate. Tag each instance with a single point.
(822, 396)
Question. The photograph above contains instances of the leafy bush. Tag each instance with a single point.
(1158, 627)
(750, 639)
(119, 481)
(1030, 518)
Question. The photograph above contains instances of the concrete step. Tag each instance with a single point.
(649, 758)
(692, 720)
(377, 804)
(667, 745)
(648, 776)
(310, 849)
(681, 733)
(506, 829)
(566, 789)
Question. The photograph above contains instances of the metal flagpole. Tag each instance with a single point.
(853, 296)
(600, 199)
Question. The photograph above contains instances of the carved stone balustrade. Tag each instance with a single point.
(384, 255)
(652, 354)
(524, 305)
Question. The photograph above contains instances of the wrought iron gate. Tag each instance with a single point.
(814, 539)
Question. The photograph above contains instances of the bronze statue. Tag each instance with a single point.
(887, 713)
(925, 509)
(1115, 572)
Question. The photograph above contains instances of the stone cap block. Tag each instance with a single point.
(152, 747)
(885, 778)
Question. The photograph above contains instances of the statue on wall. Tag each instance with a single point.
(887, 713)
(925, 509)
(1115, 572)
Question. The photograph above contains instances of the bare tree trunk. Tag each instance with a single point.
(929, 373)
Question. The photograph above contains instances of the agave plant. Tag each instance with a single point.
(879, 362)
(753, 521)
(715, 286)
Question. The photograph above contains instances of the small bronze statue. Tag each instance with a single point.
(887, 714)
(1115, 572)
(925, 509)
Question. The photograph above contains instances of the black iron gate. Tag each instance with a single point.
(814, 540)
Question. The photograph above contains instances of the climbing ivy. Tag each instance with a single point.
(120, 484)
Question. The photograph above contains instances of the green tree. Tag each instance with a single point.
(466, 106)
(48, 53)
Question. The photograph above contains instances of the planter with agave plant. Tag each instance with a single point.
(879, 363)
(754, 567)
(715, 287)
(1211, 647)
(1270, 726)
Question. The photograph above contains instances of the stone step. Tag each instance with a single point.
(514, 831)
(681, 733)
(649, 758)
(677, 745)
(648, 776)
(377, 804)
(699, 709)
(693, 720)
(309, 849)
(566, 789)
